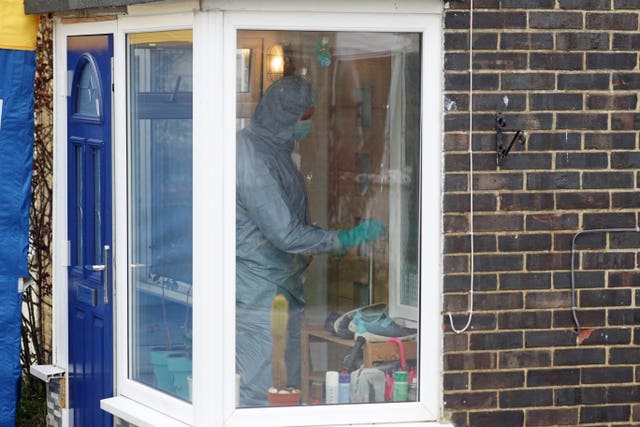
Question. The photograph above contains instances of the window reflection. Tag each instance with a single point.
(80, 238)
(327, 228)
(243, 65)
(160, 210)
(97, 208)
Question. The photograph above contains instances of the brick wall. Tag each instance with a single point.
(54, 403)
(570, 72)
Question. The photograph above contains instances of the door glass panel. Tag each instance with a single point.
(79, 202)
(88, 99)
(327, 218)
(160, 210)
(97, 205)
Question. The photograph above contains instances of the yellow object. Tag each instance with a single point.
(177, 36)
(279, 322)
(17, 30)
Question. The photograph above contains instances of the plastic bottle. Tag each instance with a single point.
(331, 387)
(400, 386)
(412, 395)
(344, 388)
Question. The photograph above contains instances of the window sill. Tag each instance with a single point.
(410, 424)
(137, 414)
(142, 416)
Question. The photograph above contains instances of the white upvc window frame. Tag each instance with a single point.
(130, 392)
(429, 25)
(214, 32)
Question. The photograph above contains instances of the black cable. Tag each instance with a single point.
(573, 284)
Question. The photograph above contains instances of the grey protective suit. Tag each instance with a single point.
(274, 237)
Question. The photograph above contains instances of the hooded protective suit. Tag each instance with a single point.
(274, 237)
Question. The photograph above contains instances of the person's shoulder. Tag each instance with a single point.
(252, 156)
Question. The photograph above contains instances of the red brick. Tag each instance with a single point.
(552, 417)
(456, 342)
(526, 398)
(496, 418)
(612, 21)
(496, 340)
(469, 361)
(454, 382)
(552, 377)
(470, 400)
(498, 300)
(548, 261)
(497, 379)
(547, 300)
(455, 302)
(524, 359)
(551, 222)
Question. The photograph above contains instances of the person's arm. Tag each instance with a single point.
(267, 205)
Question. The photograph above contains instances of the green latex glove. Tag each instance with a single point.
(367, 231)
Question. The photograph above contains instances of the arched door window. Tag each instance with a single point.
(87, 87)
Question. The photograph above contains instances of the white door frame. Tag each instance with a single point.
(126, 387)
(60, 242)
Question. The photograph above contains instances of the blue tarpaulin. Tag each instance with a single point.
(17, 72)
(10, 325)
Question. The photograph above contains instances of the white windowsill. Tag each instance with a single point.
(143, 416)
(410, 424)
(137, 414)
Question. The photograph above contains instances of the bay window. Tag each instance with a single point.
(358, 166)
(304, 293)
(280, 232)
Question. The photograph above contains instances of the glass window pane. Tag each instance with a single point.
(243, 65)
(97, 205)
(160, 210)
(88, 101)
(79, 203)
(327, 219)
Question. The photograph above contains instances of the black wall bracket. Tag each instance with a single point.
(501, 149)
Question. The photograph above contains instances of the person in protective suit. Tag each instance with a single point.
(274, 236)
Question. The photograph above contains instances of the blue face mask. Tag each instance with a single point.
(302, 129)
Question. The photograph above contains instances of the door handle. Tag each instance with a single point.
(138, 265)
(106, 268)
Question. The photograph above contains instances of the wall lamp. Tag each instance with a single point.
(275, 62)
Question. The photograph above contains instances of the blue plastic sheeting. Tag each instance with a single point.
(10, 324)
(17, 72)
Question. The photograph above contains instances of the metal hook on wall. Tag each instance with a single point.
(501, 149)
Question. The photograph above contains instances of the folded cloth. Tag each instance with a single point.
(367, 385)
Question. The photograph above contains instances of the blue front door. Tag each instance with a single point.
(89, 211)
